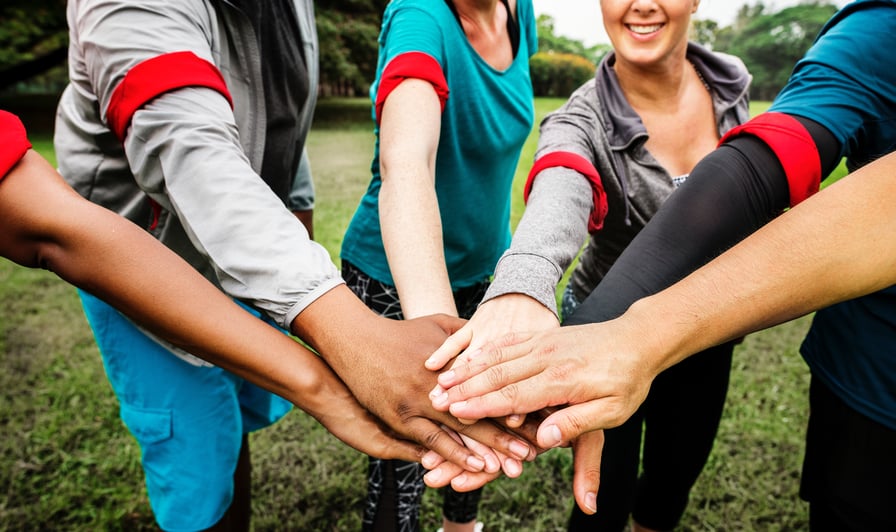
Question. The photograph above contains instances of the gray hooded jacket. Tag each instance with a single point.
(598, 124)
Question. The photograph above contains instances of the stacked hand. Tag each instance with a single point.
(595, 386)
(375, 358)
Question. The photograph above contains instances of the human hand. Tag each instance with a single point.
(331, 403)
(380, 361)
(586, 466)
(599, 373)
(442, 473)
(493, 319)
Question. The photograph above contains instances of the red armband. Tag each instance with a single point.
(583, 166)
(13, 142)
(794, 147)
(156, 76)
(415, 65)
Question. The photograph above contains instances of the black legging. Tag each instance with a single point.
(730, 194)
(395, 487)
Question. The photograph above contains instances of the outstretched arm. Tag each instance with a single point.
(47, 224)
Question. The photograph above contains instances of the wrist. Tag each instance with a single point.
(334, 324)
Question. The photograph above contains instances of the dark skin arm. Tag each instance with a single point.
(48, 225)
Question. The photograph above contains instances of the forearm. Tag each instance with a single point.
(837, 245)
(547, 239)
(48, 225)
(412, 238)
(257, 248)
(724, 200)
(409, 209)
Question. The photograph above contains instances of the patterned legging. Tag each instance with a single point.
(394, 487)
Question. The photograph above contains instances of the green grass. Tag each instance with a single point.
(67, 462)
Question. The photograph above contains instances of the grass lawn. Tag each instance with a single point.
(67, 462)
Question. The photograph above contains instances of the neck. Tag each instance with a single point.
(480, 13)
(654, 86)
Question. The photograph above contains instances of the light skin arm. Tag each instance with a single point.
(46, 224)
(835, 246)
(409, 209)
(410, 218)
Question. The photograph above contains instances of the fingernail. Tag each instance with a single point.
(591, 501)
(555, 438)
(512, 468)
(428, 461)
(433, 476)
(437, 391)
(476, 463)
(519, 449)
(460, 405)
(513, 419)
(441, 400)
(447, 376)
(491, 464)
(459, 481)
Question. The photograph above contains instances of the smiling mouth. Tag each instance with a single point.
(644, 29)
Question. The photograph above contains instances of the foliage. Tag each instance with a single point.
(548, 41)
(770, 44)
(347, 32)
(557, 75)
(33, 40)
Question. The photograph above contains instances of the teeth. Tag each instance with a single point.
(645, 29)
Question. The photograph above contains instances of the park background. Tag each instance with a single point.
(68, 463)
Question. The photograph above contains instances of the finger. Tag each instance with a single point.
(511, 466)
(453, 345)
(492, 460)
(515, 420)
(469, 481)
(494, 437)
(526, 395)
(401, 450)
(461, 480)
(569, 423)
(478, 360)
(431, 460)
(586, 452)
(438, 440)
(442, 475)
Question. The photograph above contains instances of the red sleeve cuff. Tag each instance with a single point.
(415, 65)
(794, 147)
(582, 165)
(156, 76)
(13, 142)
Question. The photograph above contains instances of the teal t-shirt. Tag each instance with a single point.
(847, 83)
(485, 122)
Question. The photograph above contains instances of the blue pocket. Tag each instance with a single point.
(148, 425)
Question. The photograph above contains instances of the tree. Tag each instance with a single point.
(557, 75)
(771, 44)
(348, 32)
(550, 42)
(704, 32)
(33, 40)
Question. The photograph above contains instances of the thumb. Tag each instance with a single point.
(572, 421)
(586, 451)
